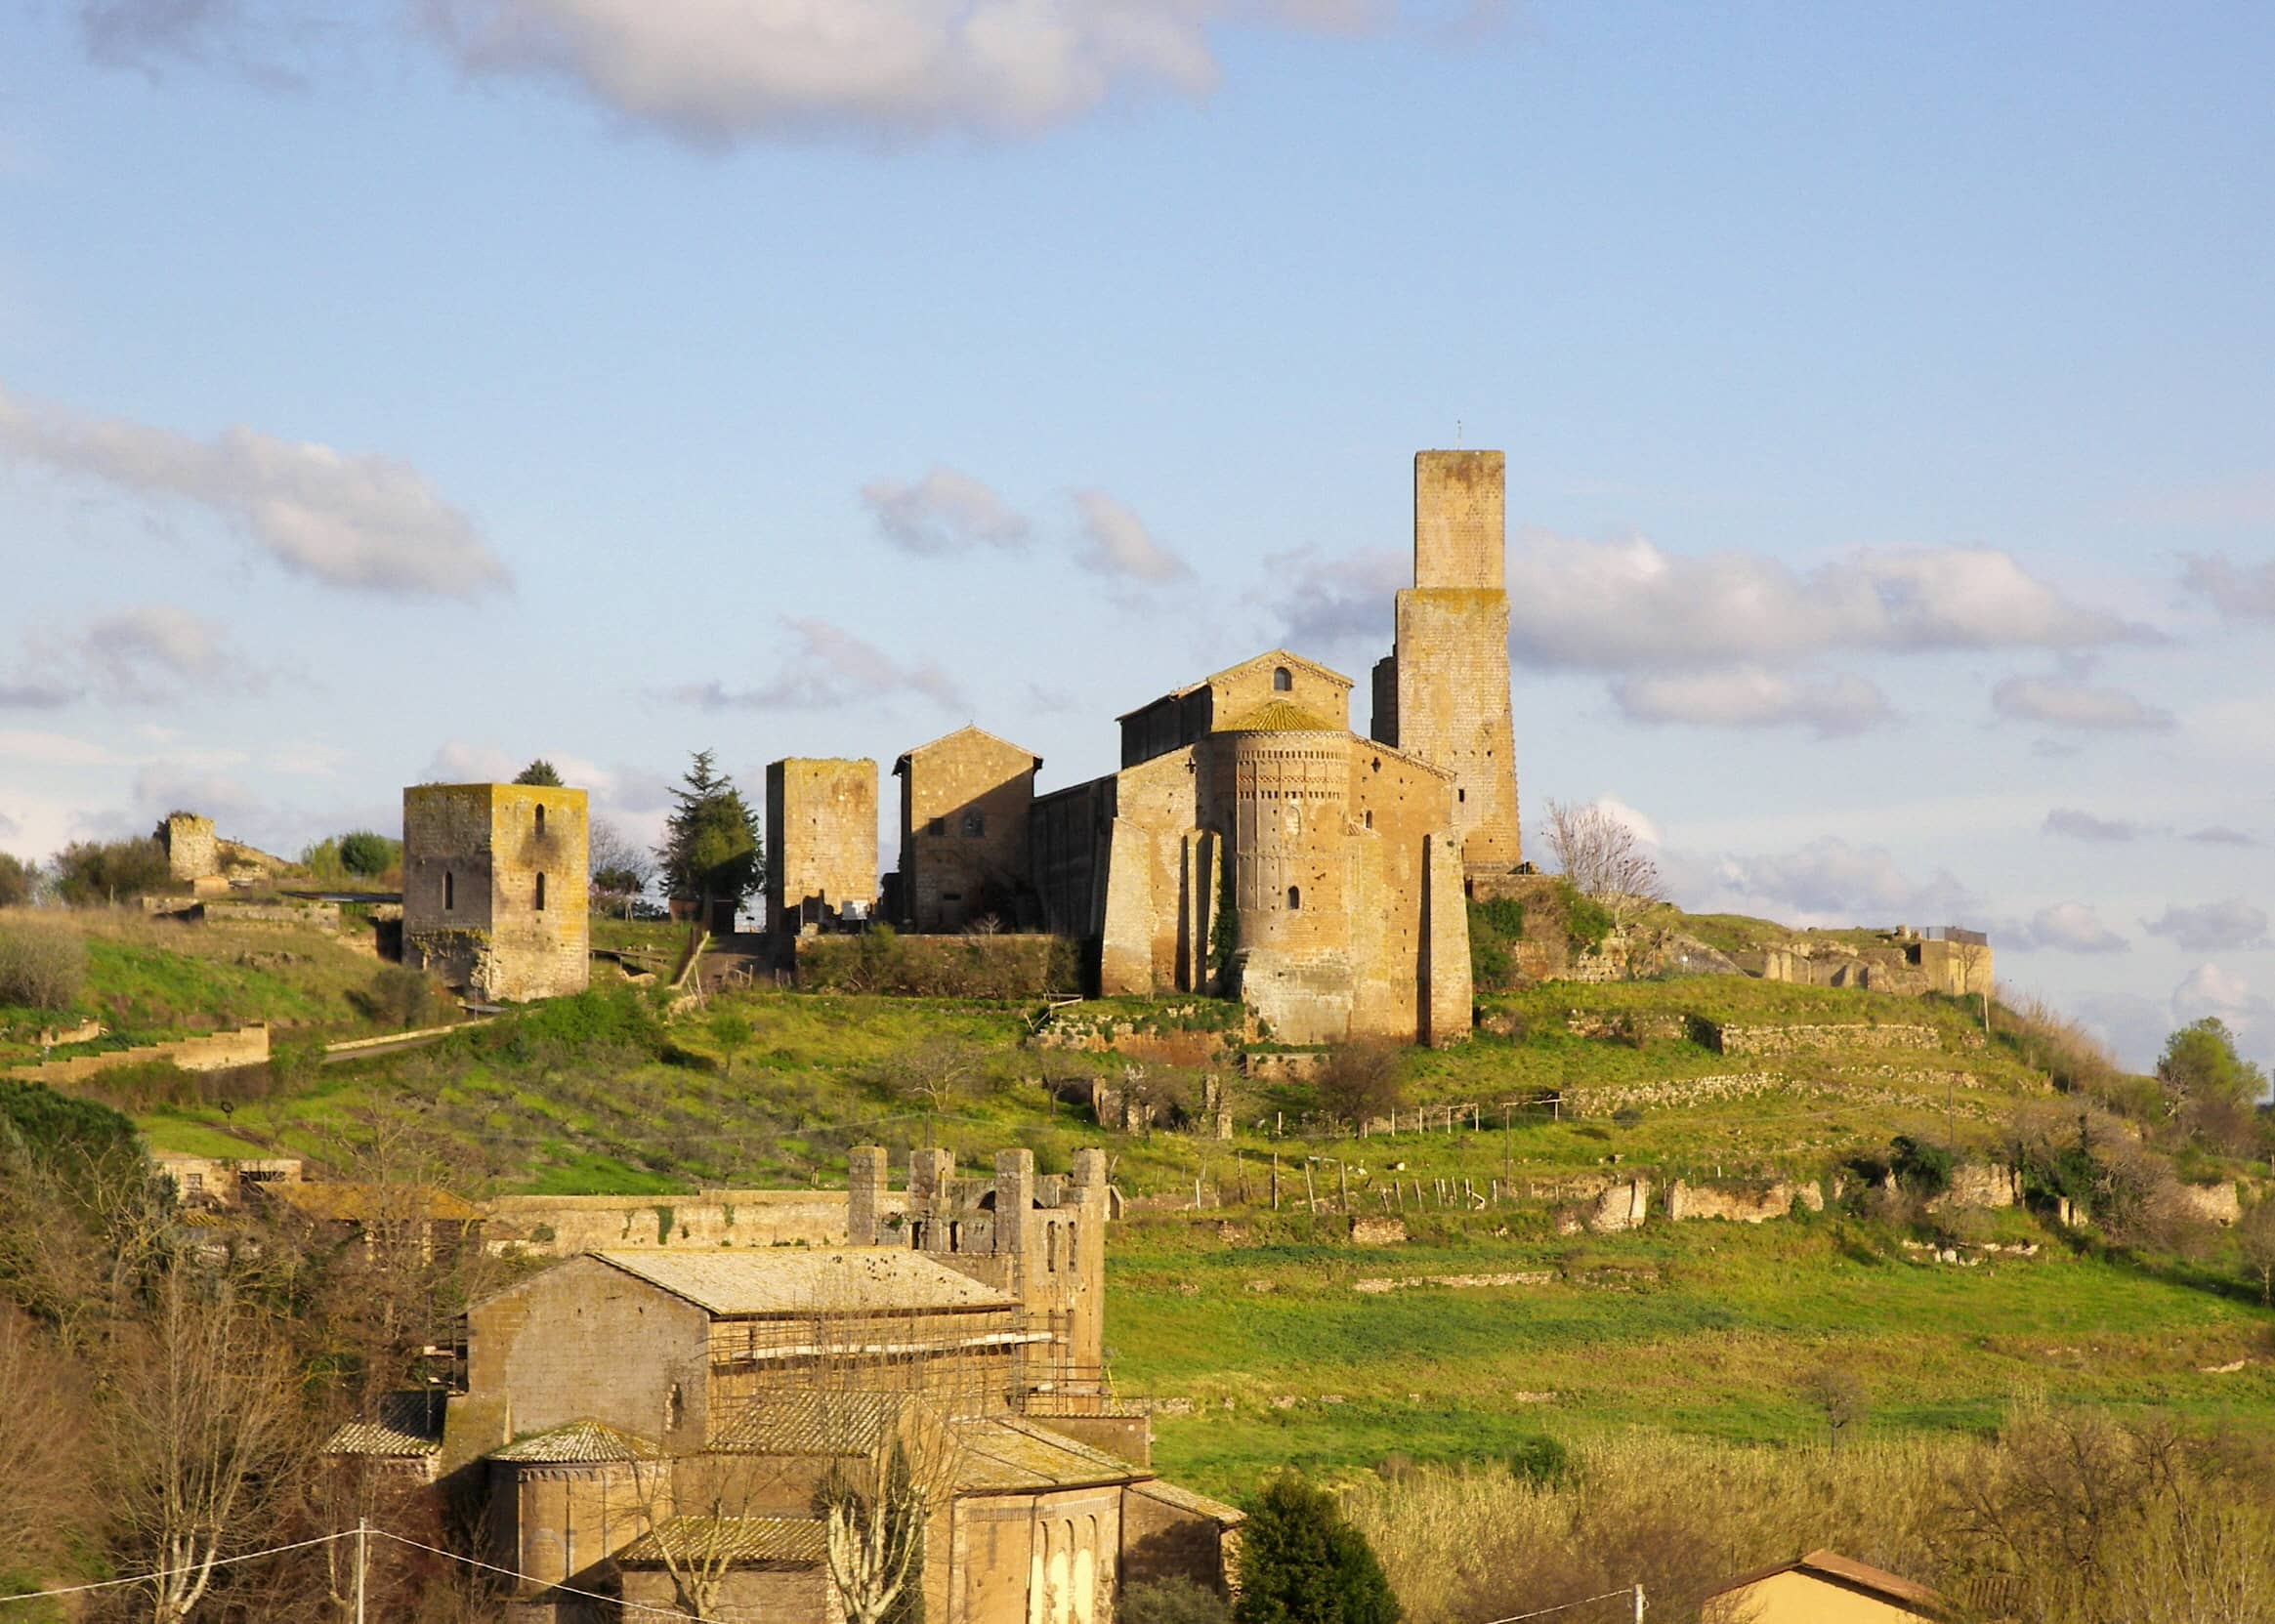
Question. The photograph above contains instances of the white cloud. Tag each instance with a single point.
(2219, 834)
(1335, 600)
(144, 654)
(2239, 592)
(31, 747)
(354, 520)
(1119, 544)
(1829, 881)
(2070, 822)
(2211, 927)
(1747, 696)
(1631, 605)
(2067, 928)
(460, 761)
(945, 512)
(827, 667)
(2065, 702)
(2210, 989)
(720, 71)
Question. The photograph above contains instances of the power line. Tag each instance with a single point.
(172, 1572)
(1624, 1592)
(565, 1590)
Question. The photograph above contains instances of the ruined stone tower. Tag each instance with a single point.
(1443, 695)
(494, 889)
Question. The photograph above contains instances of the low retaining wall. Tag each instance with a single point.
(1813, 1039)
(217, 1052)
(1741, 1205)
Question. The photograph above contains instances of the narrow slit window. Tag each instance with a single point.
(1294, 897)
(449, 891)
(540, 893)
(540, 822)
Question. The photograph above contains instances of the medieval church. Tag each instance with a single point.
(1251, 844)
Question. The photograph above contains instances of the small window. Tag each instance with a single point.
(938, 826)
(1281, 680)
(540, 822)
(540, 893)
(449, 891)
(1370, 817)
(1461, 794)
(975, 826)
(1294, 897)
(674, 1409)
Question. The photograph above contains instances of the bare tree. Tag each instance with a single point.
(2256, 1233)
(44, 1484)
(620, 871)
(202, 1423)
(1835, 1394)
(1604, 860)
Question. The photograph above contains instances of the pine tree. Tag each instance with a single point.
(710, 848)
(540, 773)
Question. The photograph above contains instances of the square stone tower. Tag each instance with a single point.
(494, 889)
(820, 843)
(192, 851)
(1443, 695)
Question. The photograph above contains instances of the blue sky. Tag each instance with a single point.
(407, 388)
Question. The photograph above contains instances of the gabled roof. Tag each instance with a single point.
(790, 1281)
(794, 1541)
(578, 1443)
(404, 1426)
(1186, 1500)
(351, 1203)
(900, 761)
(1271, 656)
(1009, 1455)
(1844, 1572)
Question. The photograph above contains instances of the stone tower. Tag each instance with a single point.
(821, 845)
(1443, 695)
(494, 889)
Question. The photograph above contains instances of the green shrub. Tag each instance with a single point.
(18, 881)
(1173, 1599)
(364, 853)
(41, 967)
(1494, 927)
(1542, 1461)
(880, 960)
(1586, 921)
(90, 873)
(1302, 1563)
(398, 997)
(1922, 1169)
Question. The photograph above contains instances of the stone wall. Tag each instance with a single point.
(1741, 1203)
(562, 1226)
(214, 1052)
(964, 804)
(821, 842)
(1811, 1039)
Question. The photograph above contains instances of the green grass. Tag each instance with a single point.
(1699, 1329)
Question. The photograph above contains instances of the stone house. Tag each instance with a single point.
(626, 1411)
(964, 802)
(494, 889)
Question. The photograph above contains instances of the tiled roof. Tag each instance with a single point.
(578, 1443)
(1844, 1572)
(1184, 1499)
(355, 1203)
(403, 1426)
(796, 1540)
(1279, 716)
(795, 1280)
(1009, 1455)
(811, 1423)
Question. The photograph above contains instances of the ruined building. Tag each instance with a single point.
(821, 845)
(494, 889)
(192, 853)
(627, 1411)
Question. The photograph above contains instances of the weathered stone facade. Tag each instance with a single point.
(964, 803)
(625, 1400)
(1443, 695)
(494, 890)
(192, 853)
(820, 844)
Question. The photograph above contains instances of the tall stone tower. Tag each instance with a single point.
(1443, 695)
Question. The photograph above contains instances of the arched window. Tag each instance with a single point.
(540, 893)
(1294, 897)
(540, 822)
(1370, 817)
(449, 891)
(1281, 680)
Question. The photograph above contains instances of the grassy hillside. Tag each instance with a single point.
(1250, 1319)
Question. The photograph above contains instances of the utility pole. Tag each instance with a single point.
(363, 1549)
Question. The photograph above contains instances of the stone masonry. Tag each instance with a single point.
(192, 853)
(964, 802)
(494, 889)
(1443, 695)
(820, 844)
